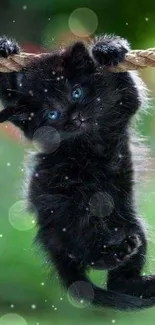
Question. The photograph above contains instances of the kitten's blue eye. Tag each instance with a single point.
(54, 115)
(77, 93)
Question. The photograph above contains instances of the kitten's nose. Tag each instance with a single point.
(76, 119)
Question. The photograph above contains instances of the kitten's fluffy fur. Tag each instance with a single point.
(81, 185)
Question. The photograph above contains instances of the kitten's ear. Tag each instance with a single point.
(78, 56)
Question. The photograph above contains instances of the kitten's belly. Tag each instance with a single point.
(87, 184)
(83, 197)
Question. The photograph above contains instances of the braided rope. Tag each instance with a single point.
(134, 60)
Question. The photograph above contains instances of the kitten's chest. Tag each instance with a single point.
(70, 175)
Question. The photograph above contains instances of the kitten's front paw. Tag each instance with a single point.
(8, 47)
(110, 51)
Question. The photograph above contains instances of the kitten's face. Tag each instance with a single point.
(63, 92)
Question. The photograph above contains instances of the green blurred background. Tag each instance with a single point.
(29, 294)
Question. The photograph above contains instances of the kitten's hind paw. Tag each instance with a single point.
(127, 248)
(8, 47)
(110, 51)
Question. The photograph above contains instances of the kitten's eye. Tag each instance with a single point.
(77, 93)
(54, 115)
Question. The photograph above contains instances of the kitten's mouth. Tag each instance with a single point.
(80, 123)
(77, 126)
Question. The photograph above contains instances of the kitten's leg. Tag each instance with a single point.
(78, 285)
(127, 279)
(73, 275)
(109, 50)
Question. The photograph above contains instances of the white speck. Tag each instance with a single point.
(9, 94)
(55, 308)
(31, 92)
(98, 99)
(146, 19)
(116, 229)
(8, 164)
(121, 103)
(144, 273)
(33, 306)
(101, 108)
(29, 118)
(49, 18)
(141, 297)
(20, 85)
(58, 78)
(45, 300)
(62, 77)
(45, 90)
(92, 263)
(22, 169)
(87, 209)
(104, 246)
(52, 211)
(24, 7)
(113, 321)
(14, 21)
(66, 177)
(53, 72)
(61, 298)
(12, 306)
(126, 24)
(81, 301)
(64, 229)
(33, 221)
(42, 283)
(120, 155)
(71, 256)
(32, 114)
(52, 306)
(36, 174)
(1, 235)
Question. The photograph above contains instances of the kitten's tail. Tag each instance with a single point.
(120, 301)
(86, 290)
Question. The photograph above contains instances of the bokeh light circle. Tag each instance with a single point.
(12, 319)
(19, 218)
(2, 243)
(101, 204)
(77, 291)
(83, 22)
(46, 139)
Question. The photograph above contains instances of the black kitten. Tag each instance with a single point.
(81, 183)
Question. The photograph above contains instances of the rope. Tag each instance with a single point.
(134, 60)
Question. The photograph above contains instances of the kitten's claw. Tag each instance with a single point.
(8, 47)
(110, 51)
